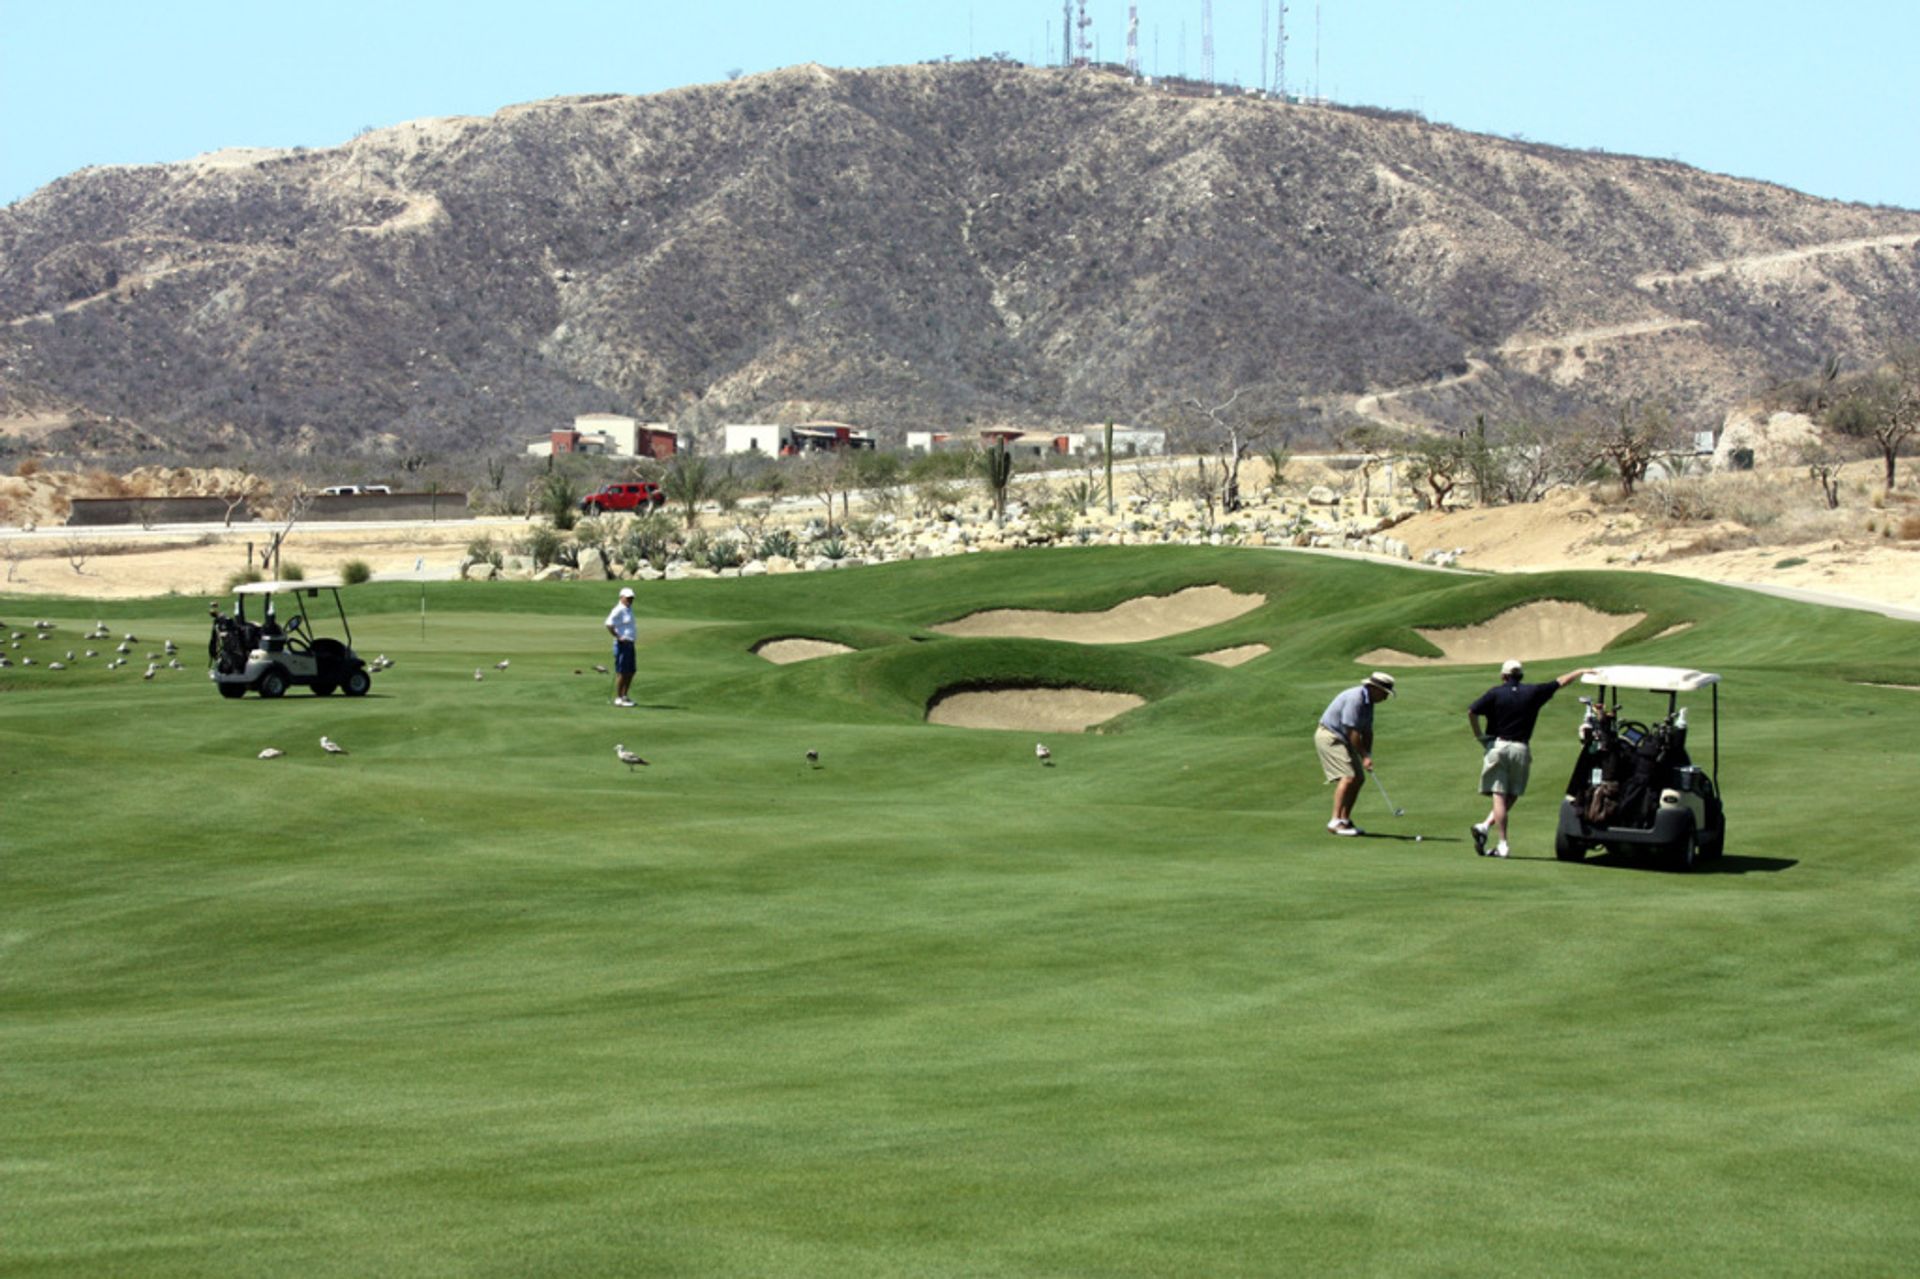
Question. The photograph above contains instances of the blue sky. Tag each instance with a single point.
(1823, 98)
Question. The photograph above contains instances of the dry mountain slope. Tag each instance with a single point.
(908, 246)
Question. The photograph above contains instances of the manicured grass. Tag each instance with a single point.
(476, 999)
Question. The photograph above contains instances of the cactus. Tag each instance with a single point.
(999, 469)
(1107, 449)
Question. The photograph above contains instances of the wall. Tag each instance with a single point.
(91, 511)
(390, 506)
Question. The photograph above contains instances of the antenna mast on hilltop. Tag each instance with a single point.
(1206, 41)
(1066, 33)
(1280, 55)
(1133, 39)
(1085, 24)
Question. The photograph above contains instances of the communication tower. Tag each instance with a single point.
(1280, 54)
(1206, 41)
(1133, 39)
(1066, 33)
(1085, 24)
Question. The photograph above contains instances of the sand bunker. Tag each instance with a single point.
(1034, 710)
(1674, 630)
(1148, 617)
(783, 651)
(1532, 632)
(1237, 656)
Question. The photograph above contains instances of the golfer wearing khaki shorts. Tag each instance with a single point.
(1344, 743)
(1511, 708)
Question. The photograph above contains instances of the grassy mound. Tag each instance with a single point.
(475, 996)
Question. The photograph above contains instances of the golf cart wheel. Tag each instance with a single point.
(232, 690)
(1567, 848)
(323, 690)
(358, 682)
(1686, 848)
(273, 683)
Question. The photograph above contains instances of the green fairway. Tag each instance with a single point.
(475, 998)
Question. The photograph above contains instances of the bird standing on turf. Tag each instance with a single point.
(599, 669)
(813, 758)
(501, 665)
(330, 746)
(1041, 753)
(477, 675)
(627, 757)
(274, 752)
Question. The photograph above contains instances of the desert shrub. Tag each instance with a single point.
(354, 572)
(29, 467)
(542, 546)
(779, 542)
(725, 552)
(1792, 561)
(292, 573)
(647, 540)
(243, 577)
(481, 550)
(832, 548)
(694, 551)
(1910, 528)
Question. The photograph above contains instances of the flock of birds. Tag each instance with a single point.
(167, 658)
(170, 654)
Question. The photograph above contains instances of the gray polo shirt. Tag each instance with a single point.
(1352, 709)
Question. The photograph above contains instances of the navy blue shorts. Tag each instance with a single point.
(623, 663)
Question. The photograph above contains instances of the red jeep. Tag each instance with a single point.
(624, 497)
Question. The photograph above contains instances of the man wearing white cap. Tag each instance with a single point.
(1344, 742)
(1510, 709)
(620, 626)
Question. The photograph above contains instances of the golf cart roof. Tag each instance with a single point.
(271, 588)
(1654, 679)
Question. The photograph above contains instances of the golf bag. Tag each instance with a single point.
(1622, 769)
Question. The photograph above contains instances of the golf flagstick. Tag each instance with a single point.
(1397, 812)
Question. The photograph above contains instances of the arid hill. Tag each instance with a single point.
(906, 247)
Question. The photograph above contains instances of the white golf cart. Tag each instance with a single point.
(1635, 785)
(269, 655)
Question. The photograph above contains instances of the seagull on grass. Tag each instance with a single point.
(1041, 753)
(813, 758)
(501, 665)
(330, 746)
(274, 752)
(599, 668)
(477, 676)
(627, 757)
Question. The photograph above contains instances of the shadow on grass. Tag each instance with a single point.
(1726, 864)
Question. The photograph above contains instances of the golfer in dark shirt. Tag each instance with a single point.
(1510, 709)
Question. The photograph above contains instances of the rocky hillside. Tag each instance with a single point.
(909, 247)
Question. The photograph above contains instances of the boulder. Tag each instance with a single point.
(593, 564)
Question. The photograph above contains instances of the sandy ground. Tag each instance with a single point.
(783, 651)
(1569, 531)
(1543, 630)
(1239, 655)
(1148, 617)
(1035, 710)
(122, 564)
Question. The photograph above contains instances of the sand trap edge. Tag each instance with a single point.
(1539, 630)
(796, 648)
(1238, 655)
(1029, 709)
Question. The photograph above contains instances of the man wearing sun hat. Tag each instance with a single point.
(1344, 742)
(1510, 708)
(620, 626)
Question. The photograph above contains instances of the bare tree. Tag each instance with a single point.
(819, 474)
(78, 553)
(1627, 442)
(1881, 408)
(1823, 463)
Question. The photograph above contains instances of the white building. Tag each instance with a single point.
(753, 437)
